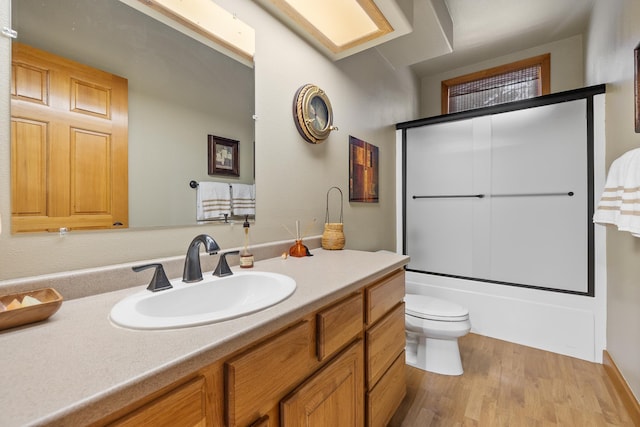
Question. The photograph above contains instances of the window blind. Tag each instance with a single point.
(498, 89)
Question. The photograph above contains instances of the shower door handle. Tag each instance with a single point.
(451, 196)
(566, 193)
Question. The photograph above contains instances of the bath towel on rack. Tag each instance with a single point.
(243, 199)
(213, 201)
(620, 202)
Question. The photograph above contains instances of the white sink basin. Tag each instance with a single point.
(214, 299)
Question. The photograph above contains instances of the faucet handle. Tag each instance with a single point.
(159, 281)
(222, 269)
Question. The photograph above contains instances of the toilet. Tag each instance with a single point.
(433, 327)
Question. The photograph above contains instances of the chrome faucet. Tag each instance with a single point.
(192, 271)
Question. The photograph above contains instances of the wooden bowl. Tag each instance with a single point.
(50, 302)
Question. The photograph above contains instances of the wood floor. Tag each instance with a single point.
(506, 384)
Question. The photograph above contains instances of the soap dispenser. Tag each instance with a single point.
(246, 258)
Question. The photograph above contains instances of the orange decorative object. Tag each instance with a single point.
(299, 250)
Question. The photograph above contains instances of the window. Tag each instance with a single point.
(510, 82)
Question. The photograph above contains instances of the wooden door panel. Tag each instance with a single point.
(28, 167)
(88, 98)
(90, 172)
(58, 189)
(30, 83)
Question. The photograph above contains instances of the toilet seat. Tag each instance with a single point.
(430, 308)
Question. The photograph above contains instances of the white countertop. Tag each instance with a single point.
(69, 369)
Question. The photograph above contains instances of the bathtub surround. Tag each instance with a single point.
(570, 324)
(565, 324)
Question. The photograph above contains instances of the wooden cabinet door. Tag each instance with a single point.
(332, 397)
(258, 379)
(69, 149)
(184, 406)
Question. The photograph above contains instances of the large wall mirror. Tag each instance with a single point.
(180, 91)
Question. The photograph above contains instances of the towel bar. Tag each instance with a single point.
(194, 184)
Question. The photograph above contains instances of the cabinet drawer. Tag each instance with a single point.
(385, 341)
(338, 325)
(257, 379)
(186, 403)
(386, 396)
(383, 296)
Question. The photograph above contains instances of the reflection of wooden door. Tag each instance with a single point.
(69, 160)
(332, 397)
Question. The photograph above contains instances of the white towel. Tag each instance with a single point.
(213, 201)
(243, 199)
(620, 201)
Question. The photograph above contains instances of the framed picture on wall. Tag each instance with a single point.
(636, 86)
(363, 171)
(223, 156)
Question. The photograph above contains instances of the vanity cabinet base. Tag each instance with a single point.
(342, 365)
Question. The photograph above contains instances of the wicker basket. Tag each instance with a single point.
(333, 235)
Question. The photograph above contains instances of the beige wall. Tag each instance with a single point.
(292, 176)
(613, 35)
(566, 71)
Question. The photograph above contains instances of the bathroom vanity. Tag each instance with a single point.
(330, 354)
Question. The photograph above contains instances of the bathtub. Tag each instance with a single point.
(573, 325)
